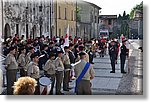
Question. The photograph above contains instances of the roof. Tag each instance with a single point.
(93, 4)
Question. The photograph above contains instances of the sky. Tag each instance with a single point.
(115, 7)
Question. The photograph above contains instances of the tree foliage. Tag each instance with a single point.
(137, 7)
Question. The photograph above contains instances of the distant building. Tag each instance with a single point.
(87, 26)
(107, 22)
(65, 14)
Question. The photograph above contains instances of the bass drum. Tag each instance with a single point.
(45, 85)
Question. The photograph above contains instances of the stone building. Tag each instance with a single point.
(33, 18)
(27, 17)
(87, 25)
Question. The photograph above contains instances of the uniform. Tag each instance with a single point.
(91, 56)
(84, 87)
(72, 60)
(43, 59)
(123, 54)
(11, 68)
(22, 65)
(112, 53)
(50, 72)
(59, 74)
(28, 59)
(33, 72)
(67, 67)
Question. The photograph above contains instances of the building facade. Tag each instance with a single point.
(34, 18)
(87, 25)
(65, 14)
(27, 17)
(107, 22)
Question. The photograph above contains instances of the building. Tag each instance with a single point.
(87, 20)
(27, 17)
(65, 14)
(107, 22)
(34, 18)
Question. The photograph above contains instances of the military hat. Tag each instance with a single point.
(22, 48)
(30, 48)
(82, 54)
(81, 48)
(76, 46)
(60, 52)
(34, 55)
(51, 54)
(70, 45)
(11, 48)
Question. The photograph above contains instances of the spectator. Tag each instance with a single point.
(24, 86)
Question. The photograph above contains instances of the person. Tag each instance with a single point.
(82, 49)
(28, 56)
(117, 51)
(24, 86)
(50, 72)
(33, 70)
(91, 55)
(59, 72)
(22, 62)
(67, 66)
(76, 52)
(84, 86)
(11, 69)
(123, 54)
(72, 60)
(43, 59)
(112, 53)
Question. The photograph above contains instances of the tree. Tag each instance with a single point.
(137, 7)
(124, 14)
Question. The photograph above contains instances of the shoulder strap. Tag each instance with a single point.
(83, 72)
(86, 67)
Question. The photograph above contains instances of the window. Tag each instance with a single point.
(59, 13)
(65, 13)
(109, 22)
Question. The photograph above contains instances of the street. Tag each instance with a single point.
(106, 83)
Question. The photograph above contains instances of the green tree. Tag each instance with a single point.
(137, 7)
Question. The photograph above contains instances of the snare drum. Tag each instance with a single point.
(45, 85)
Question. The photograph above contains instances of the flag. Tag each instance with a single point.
(67, 37)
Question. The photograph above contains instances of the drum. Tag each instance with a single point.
(45, 85)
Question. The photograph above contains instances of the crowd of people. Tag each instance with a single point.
(43, 56)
